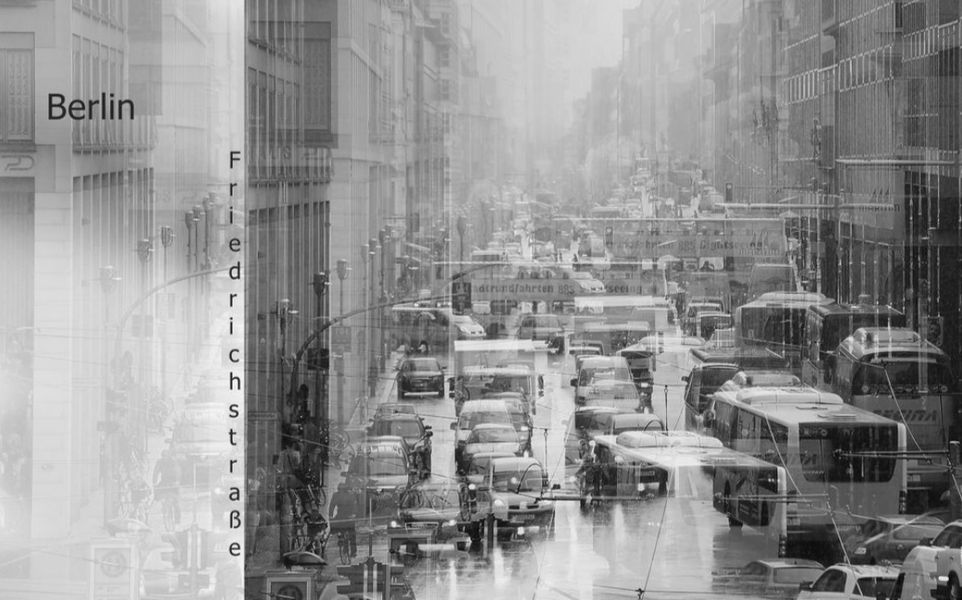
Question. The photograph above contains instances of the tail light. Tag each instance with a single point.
(791, 515)
(903, 502)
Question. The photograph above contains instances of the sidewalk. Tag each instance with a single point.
(265, 561)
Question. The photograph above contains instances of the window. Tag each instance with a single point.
(832, 580)
(16, 87)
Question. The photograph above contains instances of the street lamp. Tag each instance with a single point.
(108, 283)
(343, 269)
(319, 283)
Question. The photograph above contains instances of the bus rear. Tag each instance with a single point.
(752, 492)
(896, 374)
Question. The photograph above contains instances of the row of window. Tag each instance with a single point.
(931, 41)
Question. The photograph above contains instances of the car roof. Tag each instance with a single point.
(399, 417)
(514, 463)
(396, 408)
(479, 405)
(867, 570)
(634, 417)
(592, 362)
(777, 563)
(493, 426)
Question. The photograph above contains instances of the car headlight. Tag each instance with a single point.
(394, 524)
(452, 523)
(860, 550)
(498, 503)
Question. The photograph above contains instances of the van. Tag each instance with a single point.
(916, 579)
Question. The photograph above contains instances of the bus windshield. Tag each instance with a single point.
(838, 327)
(823, 449)
(773, 325)
(906, 377)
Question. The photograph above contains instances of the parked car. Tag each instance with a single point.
(420, 376)
(415, 433)
(779, 577)
(615, 423)
(513, 492)
(851, 582)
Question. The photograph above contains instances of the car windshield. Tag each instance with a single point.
(470, 420)
(436, 499)
(493, 435)
(405, 429)
(950, 537)
(795, 575)
(423, 365)
(379, 465)
(712, 379)
(873, 587)
(592, 374)
(511, 481)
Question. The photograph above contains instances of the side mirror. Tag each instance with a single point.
(428, 427)
(805, 586)
(454, 426)
(428, 433)
(926, 541)
(574, 382)
(685, 378)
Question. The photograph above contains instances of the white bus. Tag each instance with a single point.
(839, 459)
(683, 464)
(893, 372)
(776, 320)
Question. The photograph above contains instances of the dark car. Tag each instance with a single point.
(542, 326)
(382, 469)
(479, 463)
(420, 376)
(893, 540)
(428, 512)
(777, 577)
(598, 368)
(415, 433)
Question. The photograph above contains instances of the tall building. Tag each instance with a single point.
(113, 227)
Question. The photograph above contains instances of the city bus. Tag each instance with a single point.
(833, 454)
(895, 373)
(826, 325)
(776, 320)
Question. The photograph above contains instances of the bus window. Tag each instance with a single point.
(824, 447)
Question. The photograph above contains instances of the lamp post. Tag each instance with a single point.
(166, 240)
(108, 283)
(319, 283)
(144, 251)
(462, 226)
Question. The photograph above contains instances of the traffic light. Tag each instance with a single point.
(729, 193)
(319, 358)
(609, 237)
(461, 296)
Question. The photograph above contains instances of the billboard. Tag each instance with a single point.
(694, 238)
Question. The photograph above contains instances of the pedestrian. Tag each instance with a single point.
(345, 510)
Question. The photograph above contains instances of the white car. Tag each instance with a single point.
(851, 582)
(948, 561)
